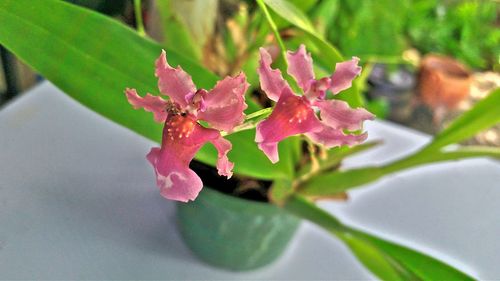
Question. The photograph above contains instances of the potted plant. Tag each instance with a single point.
(96, 70)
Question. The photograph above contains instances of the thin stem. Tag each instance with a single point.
(315, 166)
(257, 113)
(138, 18)
(274, 28)
(272, 24)
(243, 127)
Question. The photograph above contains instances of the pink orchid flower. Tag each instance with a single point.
(295, 114)
(222, 108)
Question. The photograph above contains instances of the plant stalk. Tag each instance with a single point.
(138, 18)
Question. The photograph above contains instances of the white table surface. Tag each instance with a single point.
(78, 201)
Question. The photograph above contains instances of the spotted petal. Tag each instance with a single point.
(292, 115)
(300, 67)
(225, 103)
(344, 73)
(150, 103)
(337, 114)
(173, 82)
(331, 137)
(271, 81)
(182, 138)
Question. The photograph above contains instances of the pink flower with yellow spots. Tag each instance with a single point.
(295, 114)
(222, 108)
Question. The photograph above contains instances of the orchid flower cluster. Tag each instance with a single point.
(325, 122)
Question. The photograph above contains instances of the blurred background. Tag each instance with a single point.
(424, 61)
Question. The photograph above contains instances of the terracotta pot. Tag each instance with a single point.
(235, 233)
(444, 82)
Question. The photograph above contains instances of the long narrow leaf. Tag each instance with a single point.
(387, 260)
(329, 184)
(94, 58)
(483, 115)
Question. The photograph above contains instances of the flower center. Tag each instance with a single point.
(318, 88)
(196, 102)
(171, 108)
(179, 126)
(300, 110)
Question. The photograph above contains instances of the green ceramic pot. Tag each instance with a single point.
(234, 233)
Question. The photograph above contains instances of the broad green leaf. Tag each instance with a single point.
(483, 115)
(97, 60)
(387, 260)
(326, 54)
(254, 162)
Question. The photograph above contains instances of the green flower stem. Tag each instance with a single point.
(293, 84)
(265, 112)
(138, 18)
(251, 121)
(274, 28)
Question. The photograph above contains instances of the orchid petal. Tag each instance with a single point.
(270, 150)
(338, 115)
(292, 115)
(173, 82)
(224, 104)
(224, 166)
(182, 138)
(344, 73)
(150, 103)
(300, 67)
(271, 80)
(331, 137)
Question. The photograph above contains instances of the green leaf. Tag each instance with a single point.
(372, 258)
(421, 265)
(387, 260)
(326, 185)
(326, 54)
(176, 34)
(280, 190)
(483, 115)
(291, 13)
(249, 160)
(329, 184)
(95, 68)
(324, 15)
(424, 157)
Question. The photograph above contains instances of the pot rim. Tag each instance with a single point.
(212, 197)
